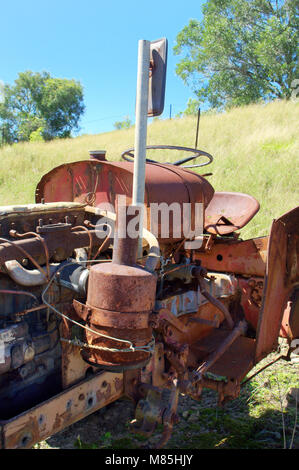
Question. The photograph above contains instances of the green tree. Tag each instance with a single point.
(125, 124)
(61, 106)
(38, 101)
(192, 107)
(37, 136)
(242, 51)
(7, 122)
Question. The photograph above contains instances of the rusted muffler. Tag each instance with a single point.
(120, 298)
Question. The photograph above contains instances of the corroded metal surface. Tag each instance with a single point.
(228, 212)
(290, 322)
(73, 367)
(97, 183)
(238, 331)
(246, 257)
(113, 319)
(62, 410)
(282, 275)
(125, 247)
(60, 245)
(120, 298)
(251, 298)
(121, 288)
(184, 330)
(130, 291)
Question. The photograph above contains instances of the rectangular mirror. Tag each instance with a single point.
(157, 78)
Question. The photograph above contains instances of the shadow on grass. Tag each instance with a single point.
(253, 421)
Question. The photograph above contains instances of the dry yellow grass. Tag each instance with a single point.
(255, 151)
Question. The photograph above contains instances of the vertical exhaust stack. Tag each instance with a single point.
(121, 294)
(150, 97)
(141, 129)
(125, 247)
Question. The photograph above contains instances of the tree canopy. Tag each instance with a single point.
(40, 105)
(125, 124)
(242, 51)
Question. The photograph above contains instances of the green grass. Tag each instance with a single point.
(255, 150)
(264, 415)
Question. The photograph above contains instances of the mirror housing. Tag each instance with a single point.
(157, 78)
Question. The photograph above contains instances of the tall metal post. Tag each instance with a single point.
(198, 119)
(141, 129)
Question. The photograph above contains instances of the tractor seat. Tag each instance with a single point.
(228, 212)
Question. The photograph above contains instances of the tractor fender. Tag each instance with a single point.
(281, 285)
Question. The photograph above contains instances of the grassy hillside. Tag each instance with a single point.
(255, 149)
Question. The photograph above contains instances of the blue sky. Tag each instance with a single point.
(95, 42)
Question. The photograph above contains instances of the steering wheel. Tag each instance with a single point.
(128, 155)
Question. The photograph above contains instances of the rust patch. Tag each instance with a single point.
(61, 410)
(104, 393)
(118, 384)
(239, 257)
(280, 280)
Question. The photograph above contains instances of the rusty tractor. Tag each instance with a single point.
(90, 313)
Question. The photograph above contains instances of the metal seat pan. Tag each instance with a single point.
(228, 212)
